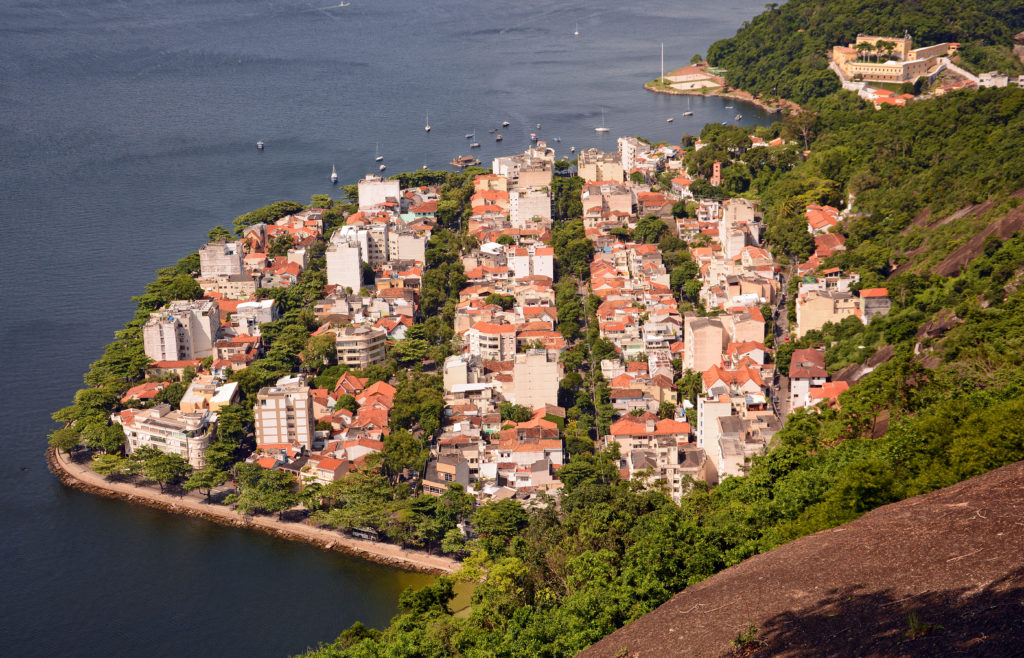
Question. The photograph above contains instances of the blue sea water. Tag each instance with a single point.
(128, 130)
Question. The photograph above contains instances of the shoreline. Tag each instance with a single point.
(736, 95)
(80, 476)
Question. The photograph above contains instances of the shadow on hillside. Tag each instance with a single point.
(955, 622)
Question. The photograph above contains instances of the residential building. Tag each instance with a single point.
(594, 165)
(174, 432)
(230, 286)
(359, 347)
(630, 148)
(443, 472)
(806, 371)
(183, 330)
(221, 258)
(704, 339)
(535, 378)
(248, 317)
(284, 414)
(491, 341)
(376, 191)
(528, 205)
(206, 392)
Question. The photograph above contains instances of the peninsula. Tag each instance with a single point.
(594, 383)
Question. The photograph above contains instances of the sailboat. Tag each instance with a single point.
(379, 156)
(474, 144)
(259, 145)
(576, 32)
(504, 124)
(334, 174)
(427, 127)
(687, 113)
(601, 128)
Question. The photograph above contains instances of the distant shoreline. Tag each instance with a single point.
(736, 95)
(82, 477)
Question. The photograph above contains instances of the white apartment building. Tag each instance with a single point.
(284, 414)
(375, 190)
(531, 261)
(181, 331)
(492, 342)
(221, 258)
(173, 432)
(250, 315)
(360, 346)
(526, 204)
(630, 148)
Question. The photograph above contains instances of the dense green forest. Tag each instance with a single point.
(783, 52)
(943, 408)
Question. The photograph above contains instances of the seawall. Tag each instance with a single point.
(81, 477)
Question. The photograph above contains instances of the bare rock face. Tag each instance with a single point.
(940, 574)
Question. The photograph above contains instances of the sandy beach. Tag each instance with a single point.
(82, 477)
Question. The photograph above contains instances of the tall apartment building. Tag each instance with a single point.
(630, 148)
(174, 432)
(360, 346)
(492, 342)
(526, 204)
(284, 414)
(594, 165)
(535, 378)
(531, 261)
(221, 258)
(375, 190)
(533, 168)
(183, 330)
(703, 342)
(350, 247)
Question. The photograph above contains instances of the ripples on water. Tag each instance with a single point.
(127, 130)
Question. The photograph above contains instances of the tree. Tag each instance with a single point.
(280, 245)
(320, 351)
(506, 239)
(207, 478)
(649, 230)
(165, 468)
(498, 522)
(696, 59)
(347, 402)
(65, 439)
(454, 541)
(321, 201)
(666, 410)
(637, 177)
(410, 351)
(264, 490)
(109, 465)
(401, 451)
(218, 233)
(516, 413)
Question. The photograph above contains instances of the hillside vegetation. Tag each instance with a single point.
(783, 52)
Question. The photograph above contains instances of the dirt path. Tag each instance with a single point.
(82, 477)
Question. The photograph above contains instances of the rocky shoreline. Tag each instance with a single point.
(78, 476)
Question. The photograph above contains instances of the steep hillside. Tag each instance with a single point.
(939, 574)
(782, 52)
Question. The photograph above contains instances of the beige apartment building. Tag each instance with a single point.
(815, 309)
(703, 342)
(360, 346)
(231, 286)
(535, 378)
(174, 432)
(284, 414)
(594, 165)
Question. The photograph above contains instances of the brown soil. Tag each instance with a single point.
(936, 575)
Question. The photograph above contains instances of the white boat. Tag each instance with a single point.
(474, 144)
(601, 128)
(670, 119)
(576, 32)
(379, 156)
(687, 113)
(504, 124)
(469, 135)
(427, 127)
(728, 107)
(572, 149)
(382, 167)
(738, 117)
(344, 4)
(259, 145)
(334, 174)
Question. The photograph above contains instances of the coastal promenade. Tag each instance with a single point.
(82, 477)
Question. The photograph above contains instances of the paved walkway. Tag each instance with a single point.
(195, 504)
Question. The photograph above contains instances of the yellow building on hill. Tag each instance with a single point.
(889, 59)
